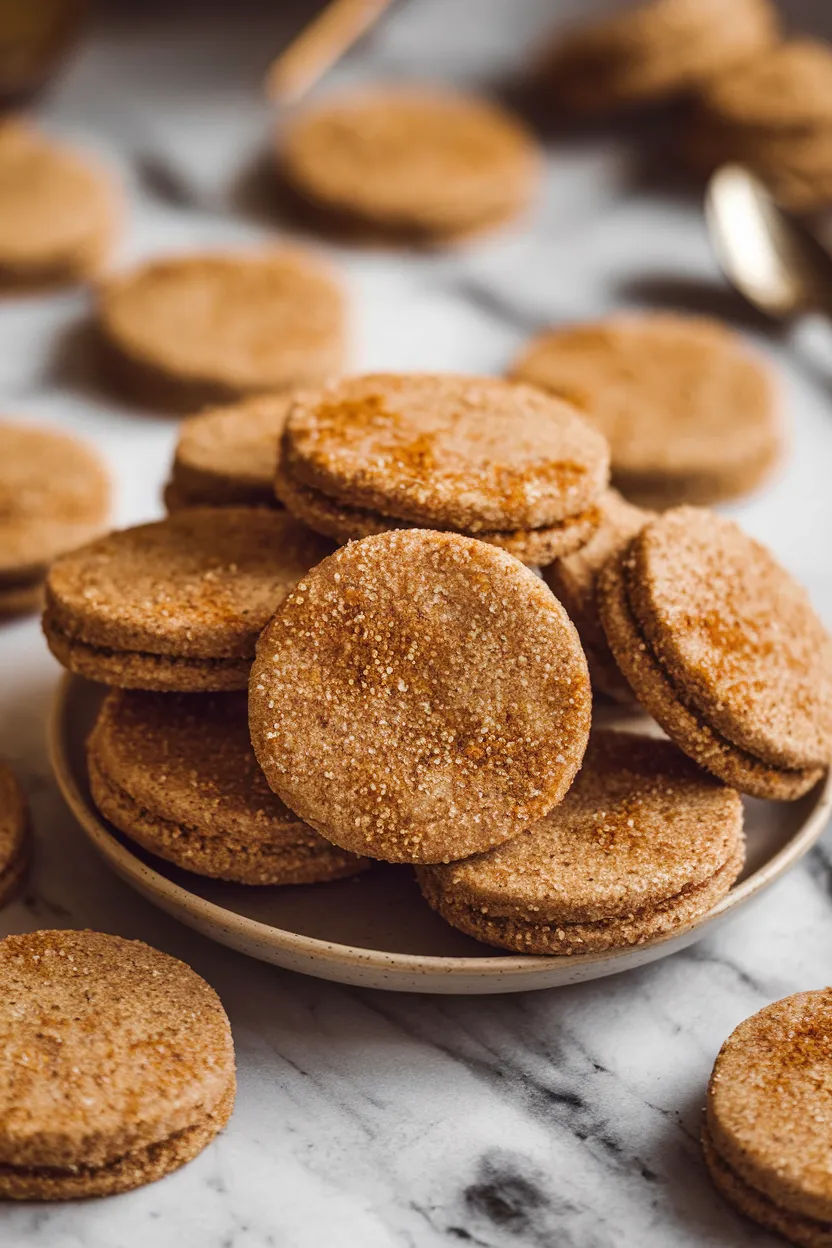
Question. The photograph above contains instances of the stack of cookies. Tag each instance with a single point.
(774, 114)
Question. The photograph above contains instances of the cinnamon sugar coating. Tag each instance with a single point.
(226, 457)
(177, 604)
(108, 1047)
(14, 834)
(642, 842)
(419, 163)
(420, 696)
(769, 1108)
(177, 774)
(470, 453)
(691, 414)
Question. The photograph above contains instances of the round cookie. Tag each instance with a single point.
(573, 578)
(786, 91)
(177, 774)
(472, 454)
(117, 1065)
(421, 164)
(690, 413)
(643, 843)
(227, 456)
(347, 524)
(176, 605)
(419, 697)
(767, 1140)
(184, 332)
(54, 494)
(14, 834)
(58, 210)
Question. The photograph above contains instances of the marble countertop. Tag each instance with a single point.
(567, 1117)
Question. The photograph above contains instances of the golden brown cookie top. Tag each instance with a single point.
(670, 393)
(472, 453)
(248, 320)
(187, 758)
(419, 697)
(788, 86)
(229, 454)
(737, 633)
(770, 1102)
(54, 494)
(201, 583)
(409, 157)
(106, 1046)
(13, 818)
(640, 824)
(54, 201)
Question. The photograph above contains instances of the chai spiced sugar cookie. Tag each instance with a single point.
(692, 415)
(184, 332)
(723, 648)
(642, 844)
(176, 605)
(502, 462)
(419, 697)
(227, 456)
(768, 1127)
(14, 834)
(653, 51)
(573, 579)
(59, 210)
(177, 774)
(418, 164)
(116, 1065)
(54, 494)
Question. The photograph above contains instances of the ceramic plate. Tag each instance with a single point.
(375, 930)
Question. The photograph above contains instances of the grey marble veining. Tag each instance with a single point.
(557, 1119)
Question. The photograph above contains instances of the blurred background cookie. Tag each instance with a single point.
(418, 164)
(691, 414)
(184, 332)
(54, 494)
(14, 834)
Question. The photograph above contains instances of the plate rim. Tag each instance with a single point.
(138, 874)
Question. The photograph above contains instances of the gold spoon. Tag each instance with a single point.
(766, 253)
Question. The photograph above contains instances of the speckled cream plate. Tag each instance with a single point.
(376, 930)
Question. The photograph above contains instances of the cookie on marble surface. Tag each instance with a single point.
(644, 843)
(188, 331)
(116, 1065)
(476, 455)
(768, 1128)
(59, 210)
(691, 414)
(723, 649)
(176, 605)
(14, 834)
(419, 697)
(54, 494)
(227, 456)
(653, 51)
(417, 164)
(176, 773)
(573, 579)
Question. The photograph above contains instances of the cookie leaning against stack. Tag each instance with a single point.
(502, 462)
(227, 456)
(644, 843)
(116, 1065)
(413, 164)
(177, 774)
(176, 605)
(723, 649)
(15, 838)
(184, 332)
(768, 1129)
(653, 52)
(691, 414)
(419, 697)
(54, 494)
